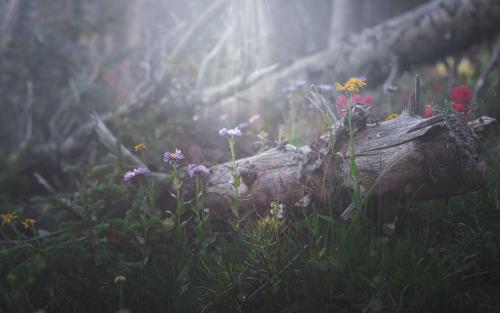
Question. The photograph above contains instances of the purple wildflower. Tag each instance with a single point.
(194, 169)
(243, 125)
(235, 132)
(289, 88)
(137, 171)
(223, 132)
(300, 83)
(253, 118)
(173, 157)
(325, 87)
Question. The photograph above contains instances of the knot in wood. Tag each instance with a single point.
(248, 177)
(359, 116)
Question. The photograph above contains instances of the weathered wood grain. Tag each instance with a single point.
(408, 158)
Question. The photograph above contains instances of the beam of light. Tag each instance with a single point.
(246, 38)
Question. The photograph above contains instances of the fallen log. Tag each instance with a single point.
(425, 34)
(407, 158)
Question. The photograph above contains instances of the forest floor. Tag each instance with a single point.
(108, 245)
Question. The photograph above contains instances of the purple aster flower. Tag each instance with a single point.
(289, 88)
(194, 169)
(254, 118)
(243, 125)
(128, 175)
(235, 132)
(141, 170)
(138, 171)
(223, 132)
(172, 157)
(325, 87)
(300, 83)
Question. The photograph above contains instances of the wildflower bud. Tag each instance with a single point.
(139, 147)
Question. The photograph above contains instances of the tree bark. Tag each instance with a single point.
(427, 33)
(408, 158)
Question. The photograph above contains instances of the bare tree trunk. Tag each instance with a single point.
(344, 19)
(408, 158)
(8, 19)
(422, 35)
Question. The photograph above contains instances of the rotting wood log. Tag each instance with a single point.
(407, 158)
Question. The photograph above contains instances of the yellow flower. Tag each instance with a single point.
(466, 68)
(139, 147)
(391, 116)
(352, 85)
(27, 222)
(8, 218)
(357, 81)
(441, 69)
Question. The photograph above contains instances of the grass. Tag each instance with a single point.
(443, 257)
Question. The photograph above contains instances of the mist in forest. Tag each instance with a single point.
(249, 156)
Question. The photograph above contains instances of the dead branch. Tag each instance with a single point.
(212, 54)
(11, 13)
(28, 112)
(205, 17)
(416, 37)
(495, 52)
(390, 82)
(107, 138)
(212, 94)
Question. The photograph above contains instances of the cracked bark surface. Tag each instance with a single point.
(408, 158)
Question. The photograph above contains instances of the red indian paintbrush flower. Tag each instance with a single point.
(461, 94)
(342, 103)
(428, 111)
(461, 97)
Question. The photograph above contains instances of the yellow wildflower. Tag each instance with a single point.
(352, 85)
(466, 68)
(27, 222)
(139, 147)
(441, 70)
(8, 218)
(357, 81)
(391, 116)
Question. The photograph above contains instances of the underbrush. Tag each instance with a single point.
(117, 249)
(113, 246)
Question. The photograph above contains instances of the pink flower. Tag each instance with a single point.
(459, 107)
(342, 104)
(428, 111)
(367, 100)
(461, 94)
(461, 97)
